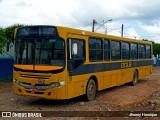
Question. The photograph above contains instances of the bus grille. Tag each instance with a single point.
(35, 76)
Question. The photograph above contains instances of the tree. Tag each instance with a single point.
(2, 39)
(9, 32)
(156, 49)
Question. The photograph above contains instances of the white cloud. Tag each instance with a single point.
(38, 12)
(131, 33)
(79, 13)
(156, 38)
(151, 29)
(75, 12)
(22, 3)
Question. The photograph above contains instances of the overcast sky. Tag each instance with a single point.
(141, 18)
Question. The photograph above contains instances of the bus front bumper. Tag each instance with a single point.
(44, 91)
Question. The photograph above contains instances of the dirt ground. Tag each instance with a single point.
(145, 96)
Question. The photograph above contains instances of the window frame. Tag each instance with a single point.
(126, 51)
(135, 51)
(141, 51)
(95, 60)
(149, 51)
(84, 52)
(116, 50)
(72, 60)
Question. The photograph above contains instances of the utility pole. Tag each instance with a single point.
(94, 22)
(122, 31)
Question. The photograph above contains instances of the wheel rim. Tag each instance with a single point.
(91, 91)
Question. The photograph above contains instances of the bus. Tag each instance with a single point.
(56, 62)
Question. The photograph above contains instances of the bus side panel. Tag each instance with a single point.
(62, 90)
(70, 87)
(129, 75)
(107, 81)
(148, 70)
(122, 76)
(141, 72)
(110, 79)
(79, 88)
(99, 76)
(76, 86)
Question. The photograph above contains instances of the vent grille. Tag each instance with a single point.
(35, 76)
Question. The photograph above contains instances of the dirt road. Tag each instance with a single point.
(145, 96)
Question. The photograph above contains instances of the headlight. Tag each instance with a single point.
(14, 80)
(54, 85)
(62, 82)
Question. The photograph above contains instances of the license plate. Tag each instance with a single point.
(33, 90)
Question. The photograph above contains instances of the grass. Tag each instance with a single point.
(6, 80)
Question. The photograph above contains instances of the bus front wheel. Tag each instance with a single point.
(91, 90)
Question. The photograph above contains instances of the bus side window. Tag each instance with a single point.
(95, 49)
(115, 50)
(106, 49)
(125, 51)
(148, 51)
(141, 51)
(76, 53)
(134, 51)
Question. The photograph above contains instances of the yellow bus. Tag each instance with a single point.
(55, 62)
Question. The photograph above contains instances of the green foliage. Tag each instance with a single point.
(9, 31)
(7, 35)
(2, 39)
(156, 49)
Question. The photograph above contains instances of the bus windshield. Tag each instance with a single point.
(40, 52)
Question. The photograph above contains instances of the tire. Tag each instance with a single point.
(91, 90)
(135, 78)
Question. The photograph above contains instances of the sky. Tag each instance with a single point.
(141, 18)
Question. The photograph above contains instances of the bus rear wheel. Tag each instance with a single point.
(135, 78)
(91, 90)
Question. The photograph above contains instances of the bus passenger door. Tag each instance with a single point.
(76, 58)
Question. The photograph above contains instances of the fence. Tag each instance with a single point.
(6, 68)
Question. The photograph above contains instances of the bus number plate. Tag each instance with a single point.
(33, 90)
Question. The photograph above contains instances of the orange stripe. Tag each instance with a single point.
(37, 67)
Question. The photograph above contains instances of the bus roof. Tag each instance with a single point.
(92, 34)
(100, 35)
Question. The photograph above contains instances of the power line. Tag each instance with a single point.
(87, 25)
(103, 24)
